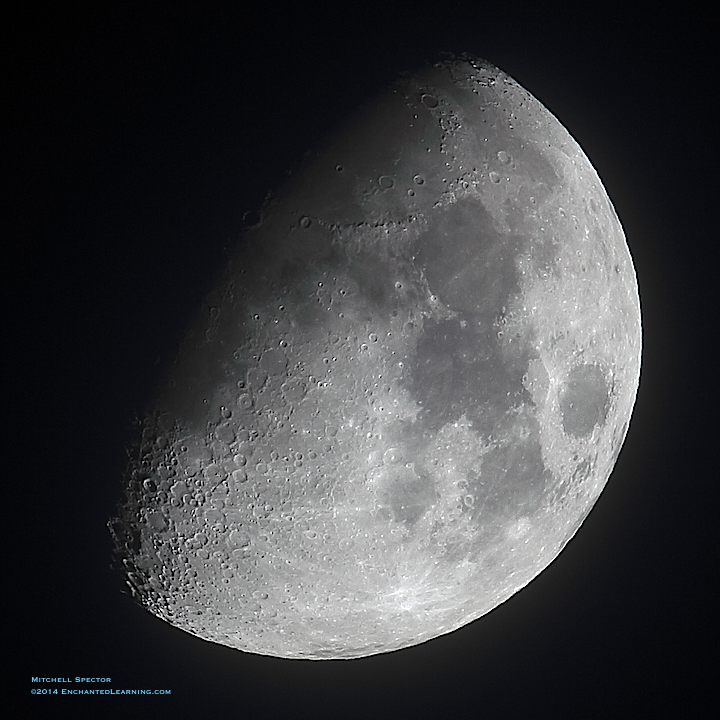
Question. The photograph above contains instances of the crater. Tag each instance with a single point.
(585, 400)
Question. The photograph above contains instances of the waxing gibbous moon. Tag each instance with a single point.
(406, 391)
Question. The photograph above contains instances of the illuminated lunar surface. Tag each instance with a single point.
(405, 393)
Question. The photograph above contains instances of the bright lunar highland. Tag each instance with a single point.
(404, 394)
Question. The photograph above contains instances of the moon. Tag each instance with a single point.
(405, 392)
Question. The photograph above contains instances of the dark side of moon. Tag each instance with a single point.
(404, 394)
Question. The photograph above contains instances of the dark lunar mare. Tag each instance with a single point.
(584, 404)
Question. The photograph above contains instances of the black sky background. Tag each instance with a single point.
(141, 134)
